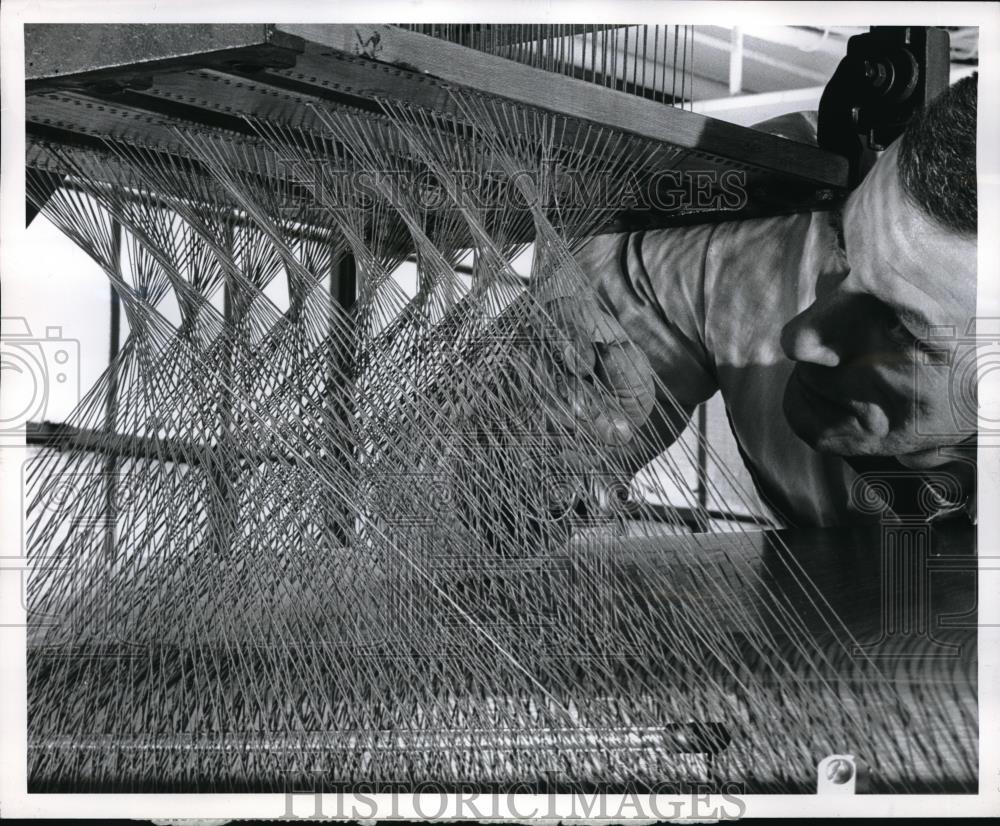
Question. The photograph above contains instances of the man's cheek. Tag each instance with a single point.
(936, 406)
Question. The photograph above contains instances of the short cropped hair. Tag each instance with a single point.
(937, 158)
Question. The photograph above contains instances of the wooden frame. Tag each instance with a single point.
(140, 84)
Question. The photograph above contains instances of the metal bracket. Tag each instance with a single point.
(886, 77)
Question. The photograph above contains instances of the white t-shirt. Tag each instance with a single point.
(707, 304)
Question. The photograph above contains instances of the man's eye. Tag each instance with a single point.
(896, 329)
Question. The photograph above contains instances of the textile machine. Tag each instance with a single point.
(339, 541)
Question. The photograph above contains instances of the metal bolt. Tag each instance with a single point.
(839, 771)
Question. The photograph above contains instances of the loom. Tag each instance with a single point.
(387, 538)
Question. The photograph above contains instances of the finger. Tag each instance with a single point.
(557, 398)
(578, 356)
(598, 326)
(598, 414)
(612, 429)
(625, 372)
(582, 316)
(606, 329)
(561, 417)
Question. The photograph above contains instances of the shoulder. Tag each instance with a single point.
(748, 244)
(735, 253)
(759, 274)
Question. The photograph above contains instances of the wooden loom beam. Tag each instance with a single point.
(276, 72)
(407, 56)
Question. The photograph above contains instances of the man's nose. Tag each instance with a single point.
(812, 336)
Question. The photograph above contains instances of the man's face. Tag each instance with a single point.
(869, 377)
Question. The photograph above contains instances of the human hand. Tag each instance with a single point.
(601, 379)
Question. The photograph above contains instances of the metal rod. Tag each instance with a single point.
(736, 61)
(702, 455)
(680, 738)
(111, 402)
